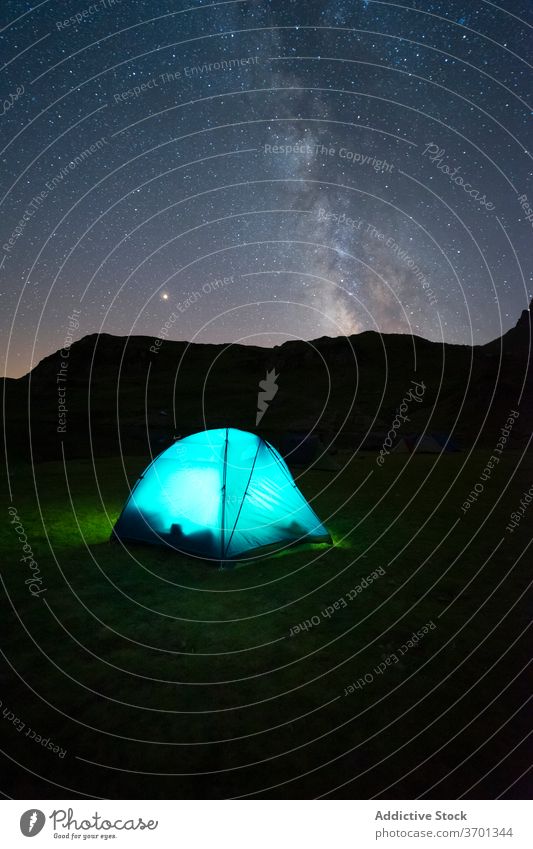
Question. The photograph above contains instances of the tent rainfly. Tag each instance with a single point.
(219, 494)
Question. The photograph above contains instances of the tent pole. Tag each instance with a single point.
(223, 522)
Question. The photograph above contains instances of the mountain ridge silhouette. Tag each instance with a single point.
(120, 395)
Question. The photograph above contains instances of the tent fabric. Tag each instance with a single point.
(218, 494)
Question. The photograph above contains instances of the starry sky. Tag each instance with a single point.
(253, 171)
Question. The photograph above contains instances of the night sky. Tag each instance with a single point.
(263, 171)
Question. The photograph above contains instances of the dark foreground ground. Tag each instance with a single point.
(159, 676)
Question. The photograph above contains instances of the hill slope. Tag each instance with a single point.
(122, 394)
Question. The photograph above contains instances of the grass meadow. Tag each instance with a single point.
(161, 676)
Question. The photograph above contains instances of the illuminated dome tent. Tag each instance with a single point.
(219, 494)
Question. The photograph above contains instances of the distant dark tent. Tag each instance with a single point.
(219, 494)
(308, 450)
(447, 442)
(403, 446)
(419, 444)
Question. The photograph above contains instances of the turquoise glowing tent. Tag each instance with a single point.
(219, 494)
